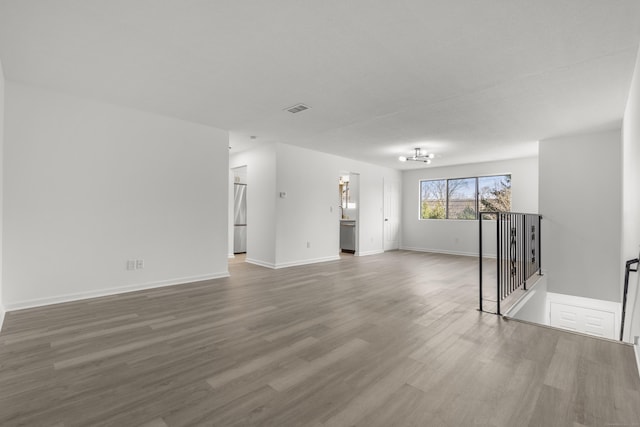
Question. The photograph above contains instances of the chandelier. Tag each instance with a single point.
(418, 156)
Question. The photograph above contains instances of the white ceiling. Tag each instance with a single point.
(469, 80)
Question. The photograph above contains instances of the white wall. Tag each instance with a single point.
(1, 186)
(461, 236)
(261, 202)
(533, 307)
(580, 200)
(309, 213)
(90, 185)
(231, 212)
(631, 199)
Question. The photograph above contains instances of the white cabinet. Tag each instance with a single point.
(590, 321)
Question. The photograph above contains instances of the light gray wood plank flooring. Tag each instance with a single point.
(384, 340)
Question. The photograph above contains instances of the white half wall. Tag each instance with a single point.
(580, 201)
(461, 236)
(631, 200)
(533, 307)
(90, 185)
(585, 315)
(578, 314)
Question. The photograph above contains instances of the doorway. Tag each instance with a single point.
(348, 189)
(239, 213)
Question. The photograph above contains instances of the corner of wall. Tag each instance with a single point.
(581, 259)
(2, 311)
(261, 202)
(630, 242)
(637, 351)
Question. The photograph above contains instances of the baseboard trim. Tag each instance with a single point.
(636, 348)
(231, 256)
(291, 263)
(260, 263)
(21, 305)
(307, 261)
(367, 253)
(445, 252)
(1, 316)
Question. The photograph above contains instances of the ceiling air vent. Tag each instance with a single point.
(297, 108)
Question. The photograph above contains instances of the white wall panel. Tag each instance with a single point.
(631, 199)
(580, 200)
(90, 185)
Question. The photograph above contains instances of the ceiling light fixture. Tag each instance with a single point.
(418, 156)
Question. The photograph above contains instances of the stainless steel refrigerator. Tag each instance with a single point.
(240, 218)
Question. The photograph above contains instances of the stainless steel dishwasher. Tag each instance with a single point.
(348, 236)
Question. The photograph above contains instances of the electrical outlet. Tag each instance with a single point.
(131, 264)
(636, 340)
(139, 264)
(308, 245)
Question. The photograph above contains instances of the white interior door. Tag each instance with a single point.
(391, 216)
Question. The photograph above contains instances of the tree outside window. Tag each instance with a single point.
(433, 199)
(463, 198)
(495, 193)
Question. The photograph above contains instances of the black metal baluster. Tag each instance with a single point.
(480, 256)
(518, 250)
(499, 263)
(539, 252)
(525, 245)
(507, 266)
(505, 276)
(627, 269)
(505, 271)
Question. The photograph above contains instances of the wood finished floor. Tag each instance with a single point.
(384, 340)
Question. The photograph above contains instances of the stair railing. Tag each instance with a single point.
(627, 269)
(518, 252)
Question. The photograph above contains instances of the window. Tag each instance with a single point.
(433, 199)
(461, 203)
(494, 193)
(463, 198)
